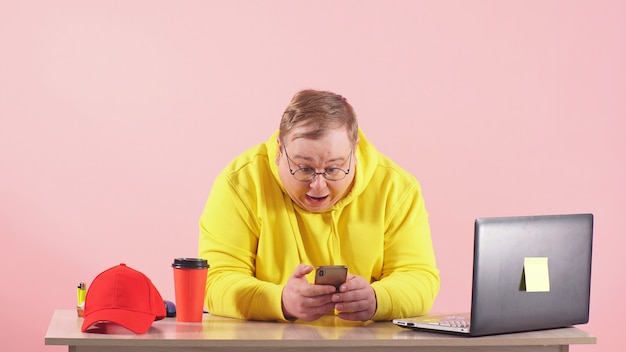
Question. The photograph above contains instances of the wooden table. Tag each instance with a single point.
(329, 333)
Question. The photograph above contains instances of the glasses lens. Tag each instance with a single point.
(304, 174)
(335, 174)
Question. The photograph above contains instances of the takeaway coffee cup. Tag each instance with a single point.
(189, 287)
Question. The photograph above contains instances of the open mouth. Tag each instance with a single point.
(316, 199)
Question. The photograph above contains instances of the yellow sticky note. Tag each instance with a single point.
(537, 274)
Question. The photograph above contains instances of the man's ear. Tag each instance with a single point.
(280, 150)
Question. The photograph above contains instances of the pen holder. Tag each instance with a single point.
(189, 286)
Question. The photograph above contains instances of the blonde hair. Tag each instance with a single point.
(318, 112)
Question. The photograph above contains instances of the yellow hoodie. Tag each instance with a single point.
(254, 236)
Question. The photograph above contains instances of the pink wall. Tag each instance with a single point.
(115, 117)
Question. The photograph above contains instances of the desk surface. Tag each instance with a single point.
(216, 333)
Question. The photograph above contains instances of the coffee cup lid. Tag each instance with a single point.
(190, 263)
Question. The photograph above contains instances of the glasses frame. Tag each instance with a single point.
(314, 174)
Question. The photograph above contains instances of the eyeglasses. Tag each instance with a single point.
(308, 173)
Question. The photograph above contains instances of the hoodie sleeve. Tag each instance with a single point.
(228, 240)
(410, 279)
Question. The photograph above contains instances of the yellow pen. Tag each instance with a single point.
(81, 293)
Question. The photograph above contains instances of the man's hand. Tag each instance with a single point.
(355, 300)
(303, 300)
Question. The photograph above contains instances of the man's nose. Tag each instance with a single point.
(319, 182)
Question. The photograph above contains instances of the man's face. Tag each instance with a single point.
(334, 150)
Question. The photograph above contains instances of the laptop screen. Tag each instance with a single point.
(531, 272)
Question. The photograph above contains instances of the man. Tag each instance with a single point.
(317, 193)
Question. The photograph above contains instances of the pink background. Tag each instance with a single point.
(116, 116)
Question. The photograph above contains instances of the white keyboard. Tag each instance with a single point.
(456, 323)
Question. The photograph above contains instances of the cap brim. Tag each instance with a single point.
(136, 322)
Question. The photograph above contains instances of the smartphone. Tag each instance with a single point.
(334, 275)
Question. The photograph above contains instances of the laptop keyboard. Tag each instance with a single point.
(456, 323)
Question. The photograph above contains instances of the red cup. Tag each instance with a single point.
(189, 286)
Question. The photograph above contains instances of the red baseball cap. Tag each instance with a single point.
(123, 296)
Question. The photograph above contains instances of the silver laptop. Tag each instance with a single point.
(530, 273)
